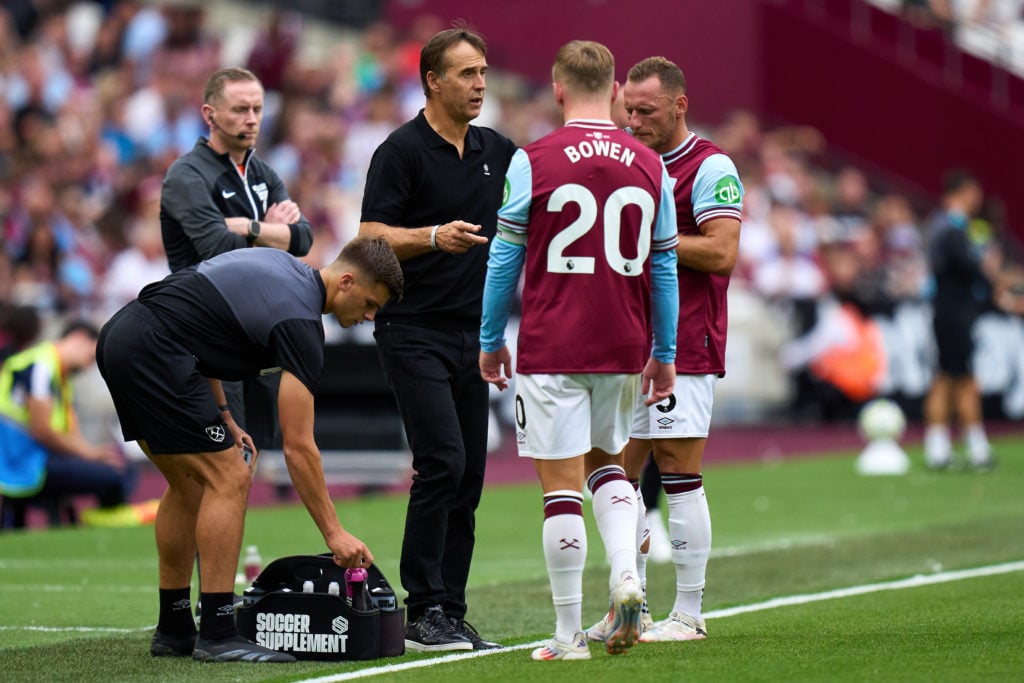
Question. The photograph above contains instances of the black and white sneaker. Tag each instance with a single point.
(432, 632)
(165, 645)
(466, 630)
(236, 649)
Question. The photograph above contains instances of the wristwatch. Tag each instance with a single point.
(254, 231)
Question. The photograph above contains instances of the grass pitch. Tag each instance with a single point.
(79, 604)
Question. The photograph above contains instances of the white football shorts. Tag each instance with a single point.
(684, 414)
(564, 416)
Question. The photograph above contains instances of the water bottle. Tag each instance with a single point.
(384, 598)
(251, 595)
(253, 563)
(307, 586)
(334, 589)
(356, 590)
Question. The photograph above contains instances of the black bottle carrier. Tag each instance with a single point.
(276, 613)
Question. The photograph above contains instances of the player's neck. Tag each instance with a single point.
(590, 111)
(681, 134)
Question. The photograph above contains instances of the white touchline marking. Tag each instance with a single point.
(900, 584)
(911, 582)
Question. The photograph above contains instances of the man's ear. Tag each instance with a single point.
(346, 281)
(682, 104)
(433, 81)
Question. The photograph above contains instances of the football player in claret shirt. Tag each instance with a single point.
(589, 217)
(708, 198)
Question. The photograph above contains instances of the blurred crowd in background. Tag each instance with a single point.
(989, 29)
(98, 98)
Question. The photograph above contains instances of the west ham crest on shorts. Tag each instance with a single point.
(216, 432)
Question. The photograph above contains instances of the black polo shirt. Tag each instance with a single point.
(417, 179)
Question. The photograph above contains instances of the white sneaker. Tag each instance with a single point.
(660, 549)
(627, 601)
(678, 626)
(598, 633)
(556, 649)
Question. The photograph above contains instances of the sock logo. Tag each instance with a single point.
(621, 499)
(566, 544)
(184, 603)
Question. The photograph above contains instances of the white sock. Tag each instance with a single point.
(938, 448)
(643, 531)
(565, 553)
(615, 513)
(689, 528)
(978, 448)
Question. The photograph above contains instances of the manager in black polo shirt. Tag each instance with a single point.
(433, 190)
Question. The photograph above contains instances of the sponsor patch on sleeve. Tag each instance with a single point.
(727, 190)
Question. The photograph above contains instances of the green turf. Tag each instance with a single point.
(781, 528)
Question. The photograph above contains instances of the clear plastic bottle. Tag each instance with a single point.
(253, 563)
(383, 597)
(334, 589)
(307, 586)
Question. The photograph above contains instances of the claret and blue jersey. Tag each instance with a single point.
(588, 213)
(706, 186)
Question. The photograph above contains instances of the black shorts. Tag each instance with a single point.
(955, 344)
(159, 394)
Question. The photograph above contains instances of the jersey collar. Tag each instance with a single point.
(600, 124)
(684, 148)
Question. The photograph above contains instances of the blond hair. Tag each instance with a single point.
(584, 66)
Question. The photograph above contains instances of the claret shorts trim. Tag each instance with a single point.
(159, 394)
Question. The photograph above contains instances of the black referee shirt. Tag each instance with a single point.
(417, 179)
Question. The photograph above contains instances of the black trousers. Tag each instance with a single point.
(435, 377)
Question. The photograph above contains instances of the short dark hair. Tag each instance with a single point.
(375, 258)
(670, 75)
(432, 56)
(80, 325)
(956, 179)
(214, 89)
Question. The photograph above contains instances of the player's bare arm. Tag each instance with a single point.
(295, 406)
(714, 250)
(455, 237)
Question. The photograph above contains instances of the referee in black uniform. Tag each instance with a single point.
(237, 315)
(433, 191)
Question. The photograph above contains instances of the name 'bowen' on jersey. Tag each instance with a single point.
(601, 146)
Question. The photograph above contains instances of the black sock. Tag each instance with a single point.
(218, 618)
(176, 612)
